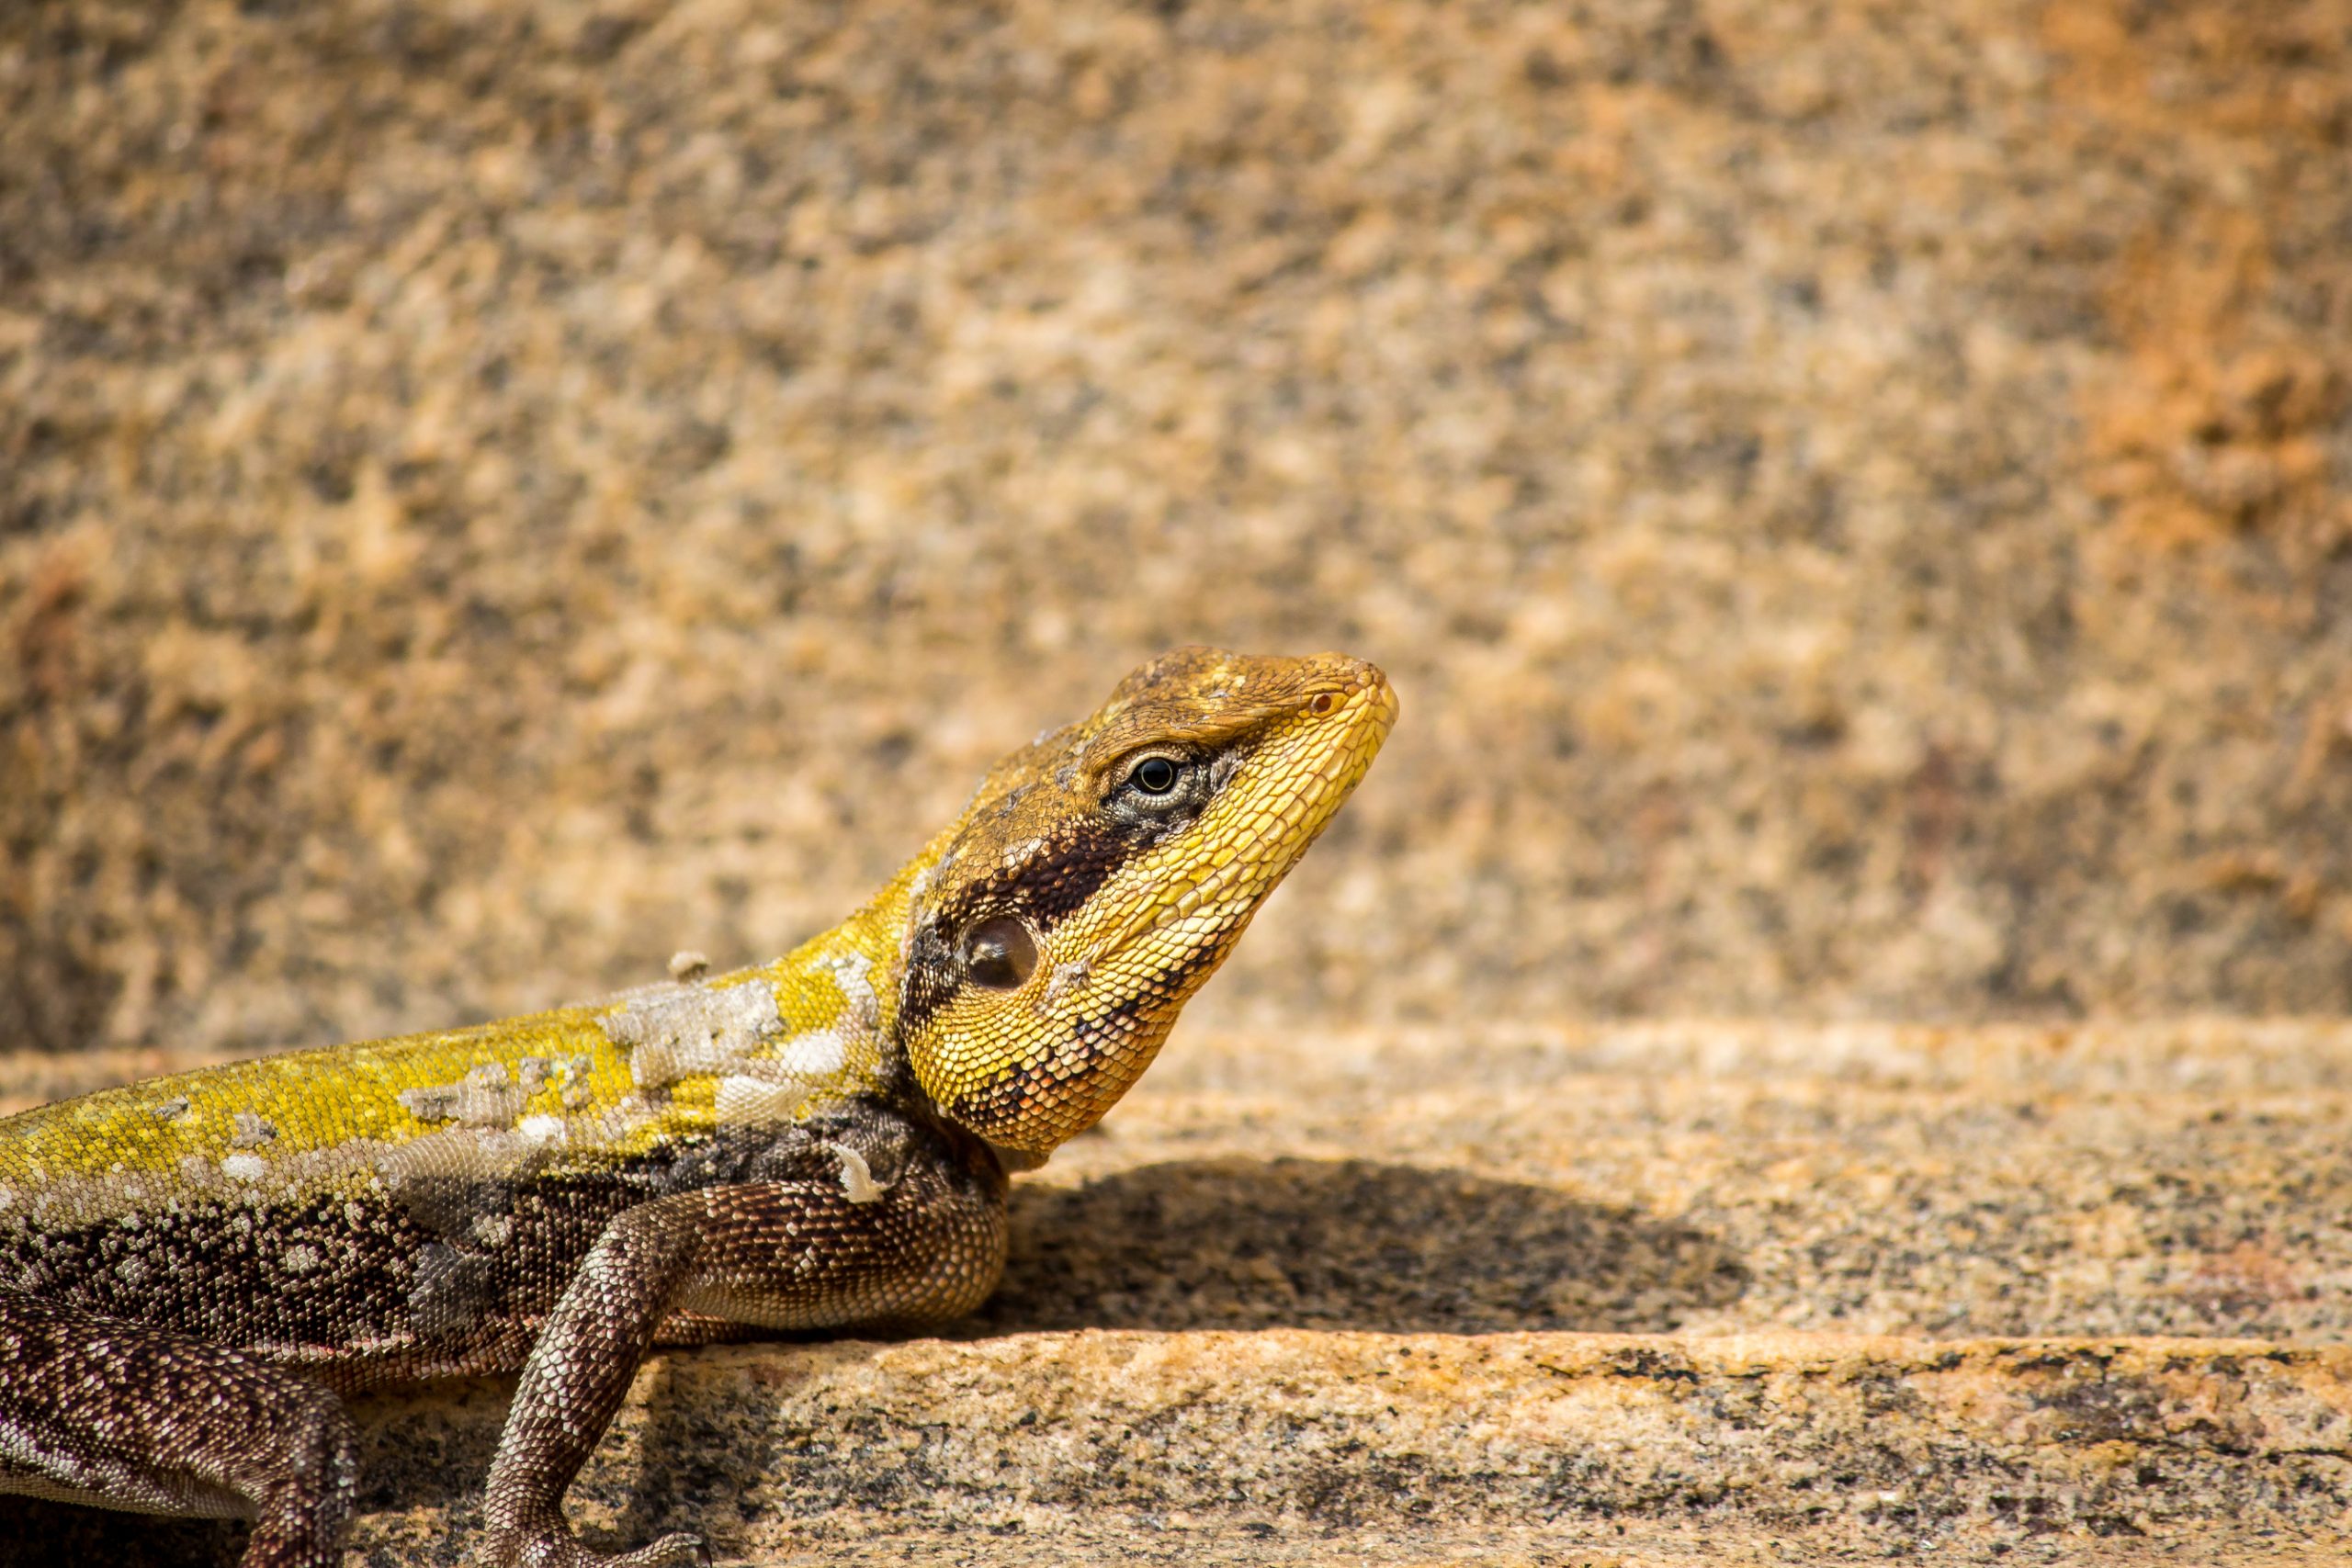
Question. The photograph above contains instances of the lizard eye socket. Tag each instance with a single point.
(1000, 953)
(1154, 776)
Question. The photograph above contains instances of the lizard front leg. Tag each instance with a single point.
(786, 1254)
(107, 1410)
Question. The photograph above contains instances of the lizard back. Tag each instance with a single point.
(411, 1206)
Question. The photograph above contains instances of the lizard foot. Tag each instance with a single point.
(678, 1550)
(557, 1548)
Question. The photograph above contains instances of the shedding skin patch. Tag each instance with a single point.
(460, 1156)
(542, 1129)
(743, 1100)
(576, 1075)
(851, 975)
(857, 1178)
(815, 1055)
(671, 1032)
(1067, 977)
(485, 1097)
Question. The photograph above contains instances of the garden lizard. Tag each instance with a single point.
(194, 1270)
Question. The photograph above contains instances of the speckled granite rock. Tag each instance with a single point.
(1896, 1444)
(1854, 493)
(1657, 1294)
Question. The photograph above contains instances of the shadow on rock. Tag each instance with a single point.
(1347, 1244)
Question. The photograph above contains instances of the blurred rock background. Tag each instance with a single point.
(1857, 497)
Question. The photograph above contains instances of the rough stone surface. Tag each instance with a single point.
(1645, 1294)
(1854, 493)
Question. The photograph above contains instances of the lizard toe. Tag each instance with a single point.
(677, 1551)
(556, 1548)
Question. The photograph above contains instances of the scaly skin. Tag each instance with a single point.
(193, 1269)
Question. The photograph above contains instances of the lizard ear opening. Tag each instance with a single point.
(999, 954)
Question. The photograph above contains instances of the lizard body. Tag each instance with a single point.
(194, 1268)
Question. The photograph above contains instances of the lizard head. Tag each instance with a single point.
(1103, 873)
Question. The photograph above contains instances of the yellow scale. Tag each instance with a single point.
(246, 1118)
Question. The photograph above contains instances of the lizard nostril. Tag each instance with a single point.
(1323, 703)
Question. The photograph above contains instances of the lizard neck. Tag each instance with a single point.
(822, 1017)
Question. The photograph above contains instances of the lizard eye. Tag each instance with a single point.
(1160, 792)
(1154, 776)
(1000, 953)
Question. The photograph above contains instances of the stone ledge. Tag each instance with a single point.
(1662, 1295)
(1855, 1443)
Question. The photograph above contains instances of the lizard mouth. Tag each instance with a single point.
(1306, 785)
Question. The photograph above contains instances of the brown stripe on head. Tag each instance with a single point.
(1103, 873)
